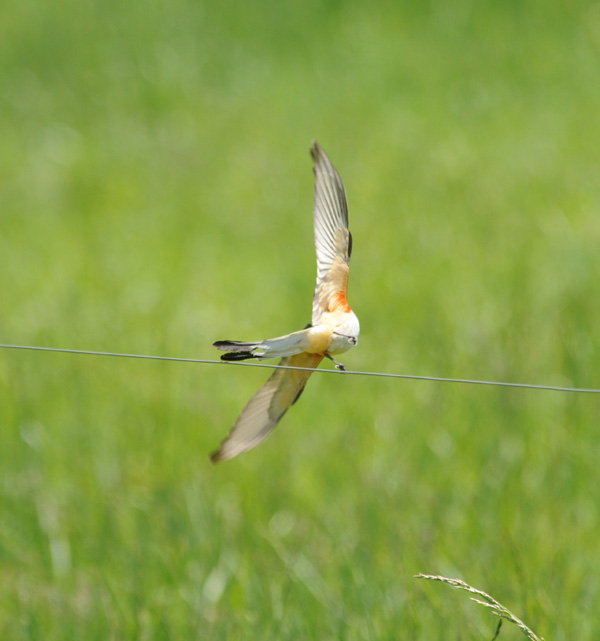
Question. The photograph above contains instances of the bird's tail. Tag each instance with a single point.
(279, 347)
(237, 350)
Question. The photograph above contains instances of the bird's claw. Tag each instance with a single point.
(337, 364)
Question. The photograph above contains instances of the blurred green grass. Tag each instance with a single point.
(156, 195)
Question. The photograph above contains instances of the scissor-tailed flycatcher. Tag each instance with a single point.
(334, 328)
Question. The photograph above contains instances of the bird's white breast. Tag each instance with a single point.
(346, 329)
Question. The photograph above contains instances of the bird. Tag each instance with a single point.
(334, 327)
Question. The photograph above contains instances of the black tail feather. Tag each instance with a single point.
(238, 350)
(234, 346)
(237, 356)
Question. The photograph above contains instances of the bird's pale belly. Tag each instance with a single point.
(336, 333)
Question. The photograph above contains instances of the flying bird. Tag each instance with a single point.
(333, 330)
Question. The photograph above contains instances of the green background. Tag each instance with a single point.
(156, 195)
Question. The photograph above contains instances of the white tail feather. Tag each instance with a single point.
(281, 346)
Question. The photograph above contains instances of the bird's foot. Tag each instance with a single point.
(337, 364)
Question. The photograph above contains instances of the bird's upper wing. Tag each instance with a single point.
(265, 409)
(333, 241)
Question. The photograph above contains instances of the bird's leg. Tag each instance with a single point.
(337, 364)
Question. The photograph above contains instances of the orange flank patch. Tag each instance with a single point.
(337, 291)
(338, 303)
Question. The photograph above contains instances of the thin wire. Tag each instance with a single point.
(439, 379)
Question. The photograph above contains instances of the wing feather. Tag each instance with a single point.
(332, 236)
(266, 408)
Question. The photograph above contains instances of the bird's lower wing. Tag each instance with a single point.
(265, 409)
